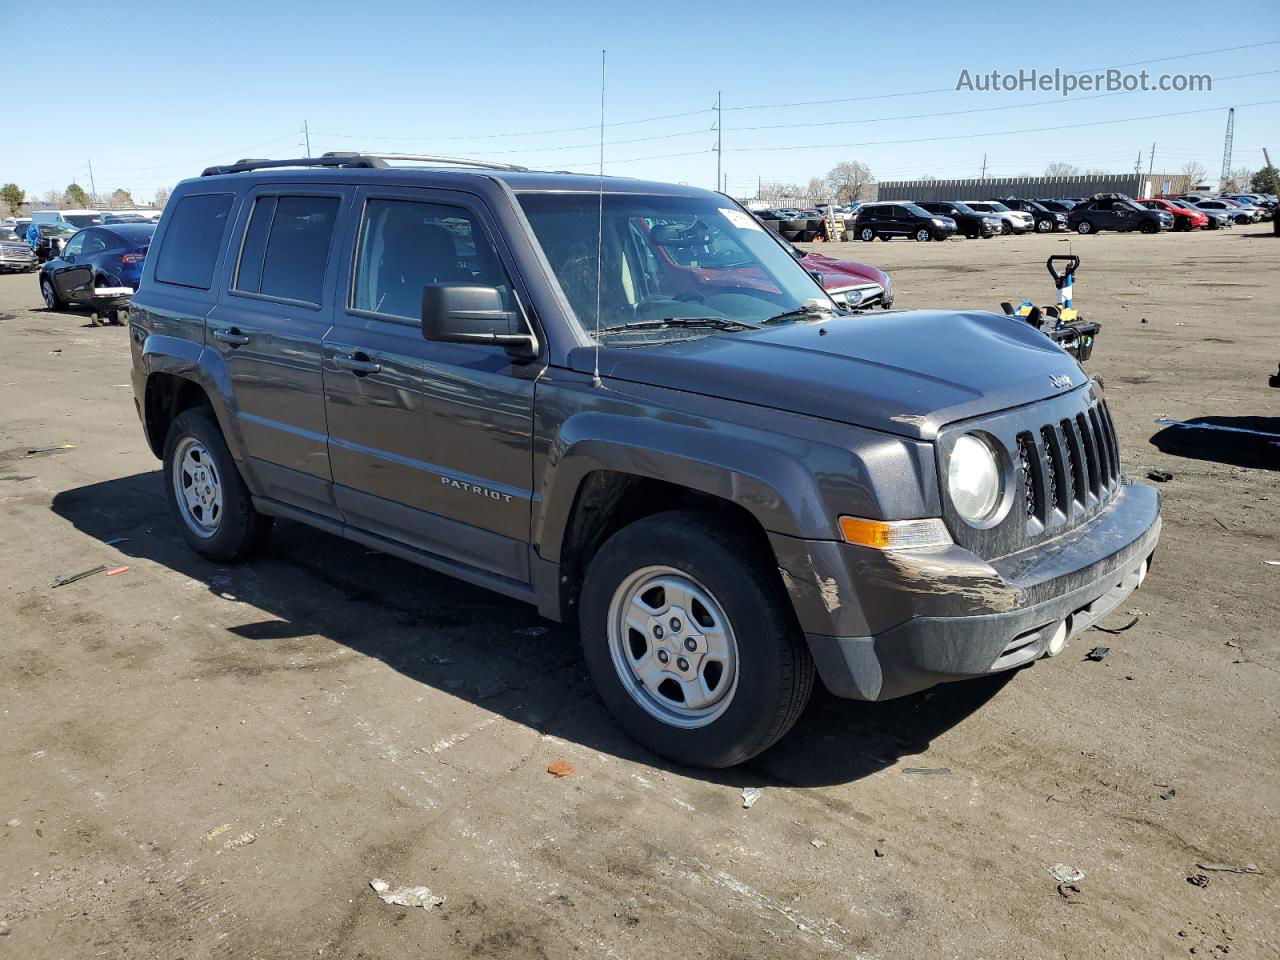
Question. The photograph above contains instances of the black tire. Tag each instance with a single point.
(1085, 227)
(775, 670)
(1149, 227)
(50, 293)
(1005, 227)
(866, 234)
(1243, 220)
(242, 530)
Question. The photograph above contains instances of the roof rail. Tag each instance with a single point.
(329, 160)
(430, 158)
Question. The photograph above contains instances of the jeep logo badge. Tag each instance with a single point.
(1060, 380)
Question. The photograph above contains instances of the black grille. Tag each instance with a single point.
(1065, 468)
(1073, 469)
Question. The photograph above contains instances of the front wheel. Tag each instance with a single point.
(691, 641)
(866, 234)
(923, 235)
(1044, 226)
(1084, 227)
(206, 494)
(51, 298)
(1149, 227)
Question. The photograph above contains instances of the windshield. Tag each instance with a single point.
(666, 257)
(8, 233)
(997, 207)
(83, 219)
(962, 208)
(56, 230)
(917, 210)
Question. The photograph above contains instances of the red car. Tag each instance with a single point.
(1183, 219)
(861, 284)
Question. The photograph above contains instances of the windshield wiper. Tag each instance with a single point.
(723, 323)
(808, 310)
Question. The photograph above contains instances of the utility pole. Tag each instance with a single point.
(1152, 165)
(1226, 148)
(93, 190)
(1137, 167)
(719, 136)
(984, 167)
(306, 133)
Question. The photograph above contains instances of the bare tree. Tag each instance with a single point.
(162, 197)
(1060, 169)
(1239, 179)
(1194, 172)
(779, 190)
(53, 198)
(817, 189)
(849, 180)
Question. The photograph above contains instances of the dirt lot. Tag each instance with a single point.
(200, 761)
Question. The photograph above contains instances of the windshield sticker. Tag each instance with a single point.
(742, 221)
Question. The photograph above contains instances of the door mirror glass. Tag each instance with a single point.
(472, 313)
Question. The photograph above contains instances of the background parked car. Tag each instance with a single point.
(96, 257)
(905, 219)
(48, 238)
(78, 218)
(1115, 211)
(1184, 218)
(1013, 221)
(1056, 206)
(1218, 220)
(1046, 220)
(15, 255)
(1239, 215)
(968, 221)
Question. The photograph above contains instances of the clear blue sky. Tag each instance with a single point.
(195, 84)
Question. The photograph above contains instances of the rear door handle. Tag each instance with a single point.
(233, 337)
(357, 364)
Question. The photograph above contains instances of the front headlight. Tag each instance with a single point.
(973, 478)
(937, 221)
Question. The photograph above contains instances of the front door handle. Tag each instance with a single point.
(357, 364)
(233, 337)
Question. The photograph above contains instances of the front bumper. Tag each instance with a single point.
(933, 616)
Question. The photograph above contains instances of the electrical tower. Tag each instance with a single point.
(1226, 149)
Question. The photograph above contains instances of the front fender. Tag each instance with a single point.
(791, 485)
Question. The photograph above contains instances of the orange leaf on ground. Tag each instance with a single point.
(560, 768)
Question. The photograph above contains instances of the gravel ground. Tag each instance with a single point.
(200, 761)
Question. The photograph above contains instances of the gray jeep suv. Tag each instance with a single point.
(628, 404)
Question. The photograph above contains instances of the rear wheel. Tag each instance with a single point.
(691, 640)
(1149, 227)
(866, 234)
(1044, 226)
(1084, 227)
(208, 498)
(923, 235)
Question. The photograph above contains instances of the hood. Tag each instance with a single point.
(907, 373)
(837, 274)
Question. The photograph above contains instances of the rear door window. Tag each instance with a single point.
(192, 240)
(286, 247)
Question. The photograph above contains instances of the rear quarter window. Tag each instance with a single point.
(192, 240)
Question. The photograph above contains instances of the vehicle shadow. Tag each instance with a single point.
(474, 644)
(1238, 441)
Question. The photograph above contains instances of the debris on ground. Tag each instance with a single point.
(439, 660)
(560, 769)
(405, 896)
(878, 852)
(1066, 873)
(1230, 868)
(818, 844)
(750, 795)
(1168, 794)
(928, 771)
(1159, 476)
(1097, 653)
(116, 571)
(243, 840)
(15, 822)
(1067, 890)
(1127, 626)
(1198, 880)
(37, 451)
(1272, 563)
(92, 571)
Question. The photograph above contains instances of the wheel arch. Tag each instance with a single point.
(179, 375)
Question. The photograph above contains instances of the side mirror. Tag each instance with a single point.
(472, 313)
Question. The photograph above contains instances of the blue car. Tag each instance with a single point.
(95, 260)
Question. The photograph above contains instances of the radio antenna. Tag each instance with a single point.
(595, 375)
